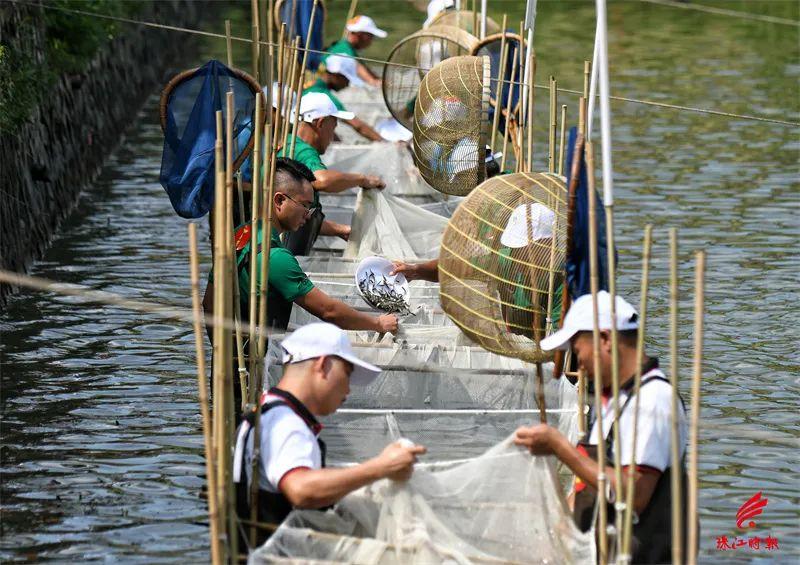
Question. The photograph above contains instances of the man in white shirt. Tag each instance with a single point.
(652, 534)
(319, 367)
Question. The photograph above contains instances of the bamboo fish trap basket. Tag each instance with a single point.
(412, 58)
(502, 261)
(451, 125)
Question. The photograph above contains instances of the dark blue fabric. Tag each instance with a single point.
(513, 90)
(300, 27)
(578, 271)
(187, 161)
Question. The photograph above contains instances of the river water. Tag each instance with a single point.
(101, 452)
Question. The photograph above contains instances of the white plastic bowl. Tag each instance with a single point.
(381, 267)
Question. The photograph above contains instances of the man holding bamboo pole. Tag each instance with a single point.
(319, 368)
(652, 533)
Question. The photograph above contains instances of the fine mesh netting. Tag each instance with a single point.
(188, 109)
(467, 20)
(473, 498)
(390, 161)
(502, 261)
(501, 68)
(394, 228)
(456, 400)
(451, 124)
(412, 58)
(502, 507)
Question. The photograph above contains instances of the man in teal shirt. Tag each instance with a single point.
(335, 74)
(288, 283)
(359, 34)
(311, 138)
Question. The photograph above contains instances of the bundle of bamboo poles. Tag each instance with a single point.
(271, 131)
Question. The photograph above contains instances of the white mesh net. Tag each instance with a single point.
(392, 227)
(502, 507)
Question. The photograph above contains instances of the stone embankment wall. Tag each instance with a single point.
(45, 163)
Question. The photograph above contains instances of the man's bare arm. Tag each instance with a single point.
(340, 314)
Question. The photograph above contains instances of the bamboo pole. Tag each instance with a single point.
(675, 454)
(258, 349)
(254, 225)
(228, 43)
(220, 361)
(619, 506)
(523, 116)
(598, 381)
(202, 387)
(302, 71)
(233, 274)
(256, 35)
(531, 64)
(483, 19)
(562, 142)
(694, 437)
(475, 31)
(351, 13)
(498, 93)
(630, 484)
(551, 281)
(290, 79)
(509, 118)
(551, 133)
(586, 77)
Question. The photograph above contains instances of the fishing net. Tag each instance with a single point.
(491, 47)
(451, 123)
(474, 497)
(390, 161)
(394, 228)
(502, 261)
(412, 58)
(188, 109)
(296, 14)
(503, 507)
(467, 20)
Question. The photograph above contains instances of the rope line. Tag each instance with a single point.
(378, 61)
(724, 12)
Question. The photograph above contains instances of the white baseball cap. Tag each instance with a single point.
(541, 225)
(315, 105)
(580, 317)
(365, 24)
(321, 339)
(346, 66)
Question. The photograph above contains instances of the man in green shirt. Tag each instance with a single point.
(336, 73)
(288, 284)
(314, 133)
(359, 34)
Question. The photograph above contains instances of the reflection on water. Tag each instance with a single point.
(101, 451)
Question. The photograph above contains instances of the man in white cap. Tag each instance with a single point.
(651, 464)
(336, 73)
(359, 33)
(319, 367)
(314, 133)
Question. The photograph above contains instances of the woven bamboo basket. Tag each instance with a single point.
(450, 125)
(412, 58)
(501, 266)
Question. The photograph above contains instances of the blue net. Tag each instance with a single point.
(189, 122)
(299, 26)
